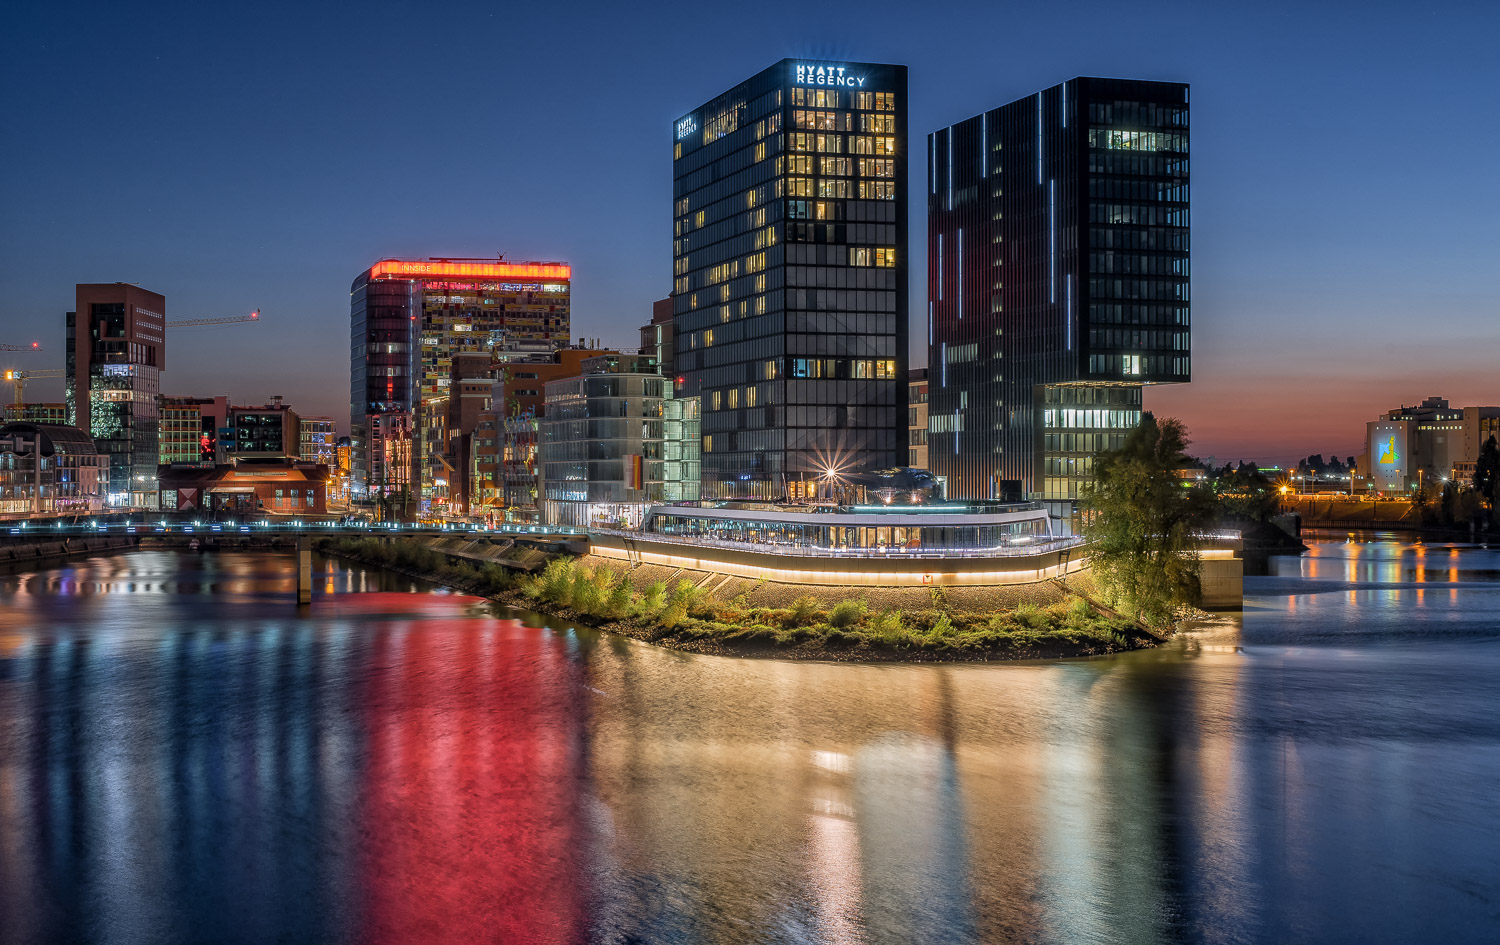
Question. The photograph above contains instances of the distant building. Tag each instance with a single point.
(116, 351)
(1057, 254)
(317, 441)
(789, 259)
(656, 336)
(408, 318)
(470, 396)
(260, 488)
(916, 418)
(38, 413)
(613, 442)
(188, 429)
(72, 479)
(270, 431)
(518, 401)
(1412, 447)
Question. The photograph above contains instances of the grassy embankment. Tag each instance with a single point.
(687, 618)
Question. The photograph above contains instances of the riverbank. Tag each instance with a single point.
(1046, 620)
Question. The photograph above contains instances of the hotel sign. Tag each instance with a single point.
(687, 126)
(827, 75)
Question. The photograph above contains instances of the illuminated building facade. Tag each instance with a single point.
(71, 479)
(408, 318)
(1425, 445)
(116, 351)
(613, 442)
(1057, 282)
(916, 418)
(38, 412)
(789, 285)
(188, 429)
(318, 439)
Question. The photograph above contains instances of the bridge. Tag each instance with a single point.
(27, 541)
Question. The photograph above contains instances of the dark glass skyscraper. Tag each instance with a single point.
(1057, 282)
(790, 281)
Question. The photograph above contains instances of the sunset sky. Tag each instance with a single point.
(235, 157)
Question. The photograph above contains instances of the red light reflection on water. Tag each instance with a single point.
(469, 824)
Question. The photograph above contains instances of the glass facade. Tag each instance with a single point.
(789, 275)
(408, 318)
(611, 444)
(1058, 281)
(855, 530)
(115, 355)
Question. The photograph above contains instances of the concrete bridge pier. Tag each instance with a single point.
(304, 569)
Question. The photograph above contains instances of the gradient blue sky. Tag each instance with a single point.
(234, 156)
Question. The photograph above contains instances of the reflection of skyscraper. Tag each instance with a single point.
(1058, 282)
(116, 351)
(789, 262)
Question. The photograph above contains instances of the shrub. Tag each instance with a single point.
(942, 626)
(654, 599)
(620, 601)
(804, 610)
(1031, 616)
(846, 614)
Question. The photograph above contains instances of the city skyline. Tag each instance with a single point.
(1322, 292)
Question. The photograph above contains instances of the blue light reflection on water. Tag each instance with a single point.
(185, 757)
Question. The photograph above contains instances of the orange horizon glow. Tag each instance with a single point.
(438, 269)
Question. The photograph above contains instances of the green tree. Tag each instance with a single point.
(1142, 522)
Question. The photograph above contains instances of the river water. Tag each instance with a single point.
(186, 757)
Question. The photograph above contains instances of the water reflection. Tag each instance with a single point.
(397, 765)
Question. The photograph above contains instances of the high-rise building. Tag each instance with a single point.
(790, 281)
(407, 320)
(1057, 282)
(116, 351)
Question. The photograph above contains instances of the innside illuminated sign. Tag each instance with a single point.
(827, 75)
(687, 126)
(439, 269)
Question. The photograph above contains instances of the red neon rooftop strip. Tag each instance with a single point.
(405, 269)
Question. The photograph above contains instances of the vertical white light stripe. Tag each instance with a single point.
(984, 146)
(950, 167)
(1065, 105)
(1068, 313)
(960, 273)
(945, 363)
(940, 267)
(1052, 229)
(932, 163)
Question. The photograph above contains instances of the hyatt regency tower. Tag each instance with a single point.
(789, 291)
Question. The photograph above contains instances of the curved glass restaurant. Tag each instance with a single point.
(863, 529)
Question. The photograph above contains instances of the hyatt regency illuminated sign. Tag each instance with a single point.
(827, 75)
(687, 126)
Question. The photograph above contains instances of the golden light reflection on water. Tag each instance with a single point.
(453, 769)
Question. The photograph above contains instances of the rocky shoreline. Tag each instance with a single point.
(1032, 622)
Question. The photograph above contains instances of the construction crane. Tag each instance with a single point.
(18, 380)
(200, 322)
(34, 346)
